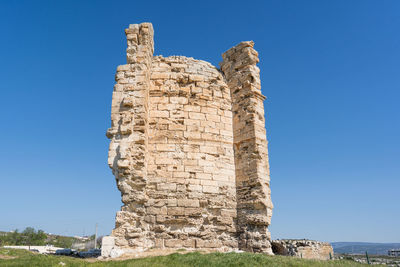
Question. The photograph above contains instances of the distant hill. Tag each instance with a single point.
(33, 237)
(362, 247)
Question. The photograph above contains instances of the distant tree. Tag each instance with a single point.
(15, 238)
(29, 237)
(39, 238)
(63, 241)
(29, 231)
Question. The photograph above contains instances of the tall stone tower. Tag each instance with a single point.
(189, 151)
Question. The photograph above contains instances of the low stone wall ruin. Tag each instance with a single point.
(303, 248)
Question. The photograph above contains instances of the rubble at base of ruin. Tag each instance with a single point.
(303, 248)
(189, 151)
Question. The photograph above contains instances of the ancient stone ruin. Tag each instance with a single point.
(303, 248)
(189, 150)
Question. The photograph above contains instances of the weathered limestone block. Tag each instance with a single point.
(108, 248)
(188, 150)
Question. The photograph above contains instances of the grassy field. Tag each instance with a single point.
(9, 257)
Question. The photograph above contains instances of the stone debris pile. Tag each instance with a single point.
(303, 248)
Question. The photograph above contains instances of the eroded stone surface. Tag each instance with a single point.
(189, 150)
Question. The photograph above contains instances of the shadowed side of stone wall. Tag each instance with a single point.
(254, 206)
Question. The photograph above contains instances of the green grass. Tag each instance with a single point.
(25, 258)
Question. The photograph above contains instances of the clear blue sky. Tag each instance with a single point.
(330, 70)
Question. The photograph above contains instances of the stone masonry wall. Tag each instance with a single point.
(128, 152)
(188, 150)
(254, 204)
(307, 249)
